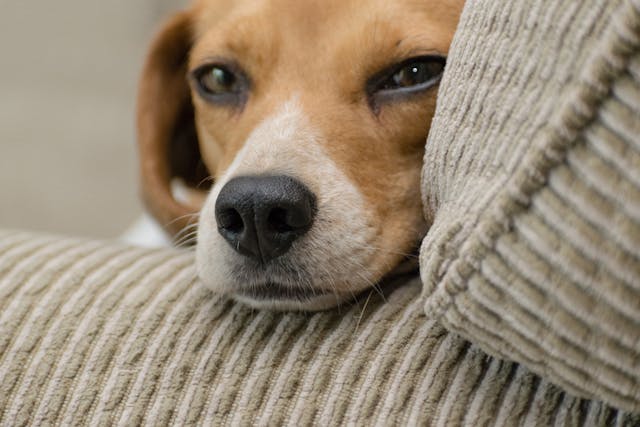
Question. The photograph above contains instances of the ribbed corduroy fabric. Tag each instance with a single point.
(100, 334)
(532, 181)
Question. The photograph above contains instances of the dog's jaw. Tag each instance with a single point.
(334, 255)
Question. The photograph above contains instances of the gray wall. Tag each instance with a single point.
(68, 75)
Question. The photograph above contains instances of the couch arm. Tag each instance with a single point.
(99, 333)
(532, 181)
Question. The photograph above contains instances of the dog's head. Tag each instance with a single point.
(312, 117)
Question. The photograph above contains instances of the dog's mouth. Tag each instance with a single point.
(273, 291)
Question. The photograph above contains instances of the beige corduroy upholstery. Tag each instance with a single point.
(97, 334)
(532, 183)
(532, 180)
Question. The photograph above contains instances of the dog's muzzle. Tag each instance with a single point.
(261, 216)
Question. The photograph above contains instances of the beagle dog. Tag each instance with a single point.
(310, 117)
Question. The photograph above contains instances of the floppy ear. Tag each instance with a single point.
(167, 139)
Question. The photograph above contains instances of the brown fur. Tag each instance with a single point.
(324, 51)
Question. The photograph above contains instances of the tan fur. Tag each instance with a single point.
(324, 52)
(163, 79)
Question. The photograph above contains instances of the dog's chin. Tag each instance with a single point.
(276, 296)
(314, 303)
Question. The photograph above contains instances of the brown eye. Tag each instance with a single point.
(415, 74)
(405, 79)
(419, 73)
(221, 84)
(217, 80)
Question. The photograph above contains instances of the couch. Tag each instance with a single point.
(526, 312)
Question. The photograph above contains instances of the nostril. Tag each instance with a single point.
(277, 219)
(230, 220)
(261, 216)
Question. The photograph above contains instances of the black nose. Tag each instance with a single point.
(261, 216)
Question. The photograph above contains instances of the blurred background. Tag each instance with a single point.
(68, 76)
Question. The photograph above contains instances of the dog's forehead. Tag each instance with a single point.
(309, 17)
(320, 37)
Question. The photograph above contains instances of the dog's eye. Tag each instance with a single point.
(220, 84)
(411, 76)
(217, 80)
(415, 73)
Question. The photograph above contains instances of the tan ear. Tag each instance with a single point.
(167, 140)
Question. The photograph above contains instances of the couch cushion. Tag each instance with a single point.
(98, 333)
(532, 182)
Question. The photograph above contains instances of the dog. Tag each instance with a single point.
(311, 118)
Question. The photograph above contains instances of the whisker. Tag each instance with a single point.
(189, 226)
(187, 243)
(364, 308)
(180, 218)
(374, 285)
(186, 229)
(332, 284)
(386, 251)
(185, 234)
(206, 179)
(187, 240)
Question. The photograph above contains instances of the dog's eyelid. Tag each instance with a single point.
(389, 71)
(384, 87)
(216, 60)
